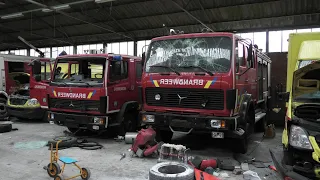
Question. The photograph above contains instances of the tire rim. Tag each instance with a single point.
(84, 173)
(3, 108)
(53, 171)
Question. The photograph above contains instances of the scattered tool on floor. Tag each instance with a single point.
(123, 155)
(54, 170)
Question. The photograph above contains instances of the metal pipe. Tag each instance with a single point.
(191, 15)
(66, 14)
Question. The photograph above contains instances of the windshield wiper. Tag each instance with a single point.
(203, 69)
(173, 70)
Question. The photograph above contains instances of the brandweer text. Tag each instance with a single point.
(72, 95)
(182, 81)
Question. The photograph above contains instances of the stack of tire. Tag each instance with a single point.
(5, 126)
(171, 171)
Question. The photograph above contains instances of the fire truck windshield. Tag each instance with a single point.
(82, 71)
(196, 54)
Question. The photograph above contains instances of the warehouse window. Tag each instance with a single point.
(275, 41)
(260, 39)
(285, 42)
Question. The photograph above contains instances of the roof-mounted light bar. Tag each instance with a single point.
(60, 7)
(10, 16)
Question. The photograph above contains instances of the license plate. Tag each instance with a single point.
(95, 127)
(217, 135)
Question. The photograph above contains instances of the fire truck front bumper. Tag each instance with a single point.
(218, 127)
(26, 112)
(79, 121)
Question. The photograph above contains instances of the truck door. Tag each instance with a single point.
(245, 73)
(39, 80)
(119, 84)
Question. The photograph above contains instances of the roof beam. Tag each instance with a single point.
(167, 14)
(75, 18)
(253, 24)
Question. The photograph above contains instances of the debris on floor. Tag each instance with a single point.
(6, 126)
(251, 175)
(270, 131)
(130, 137)
(30, 145)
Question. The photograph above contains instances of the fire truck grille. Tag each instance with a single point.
(80, 105)
(212, 99)
(18, 101)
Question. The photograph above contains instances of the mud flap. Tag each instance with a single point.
(244, 108)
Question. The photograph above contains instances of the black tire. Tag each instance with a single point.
(85, 175)
(66, 141)
(241, 145)
(54, 171)
(59, 177)
(128, 124)
(5, 126)
(45, 117)
(171, 170)
(164, 136)
(3, 109)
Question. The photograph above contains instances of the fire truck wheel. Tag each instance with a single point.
(3, 109)
(128, 124)
(287, 157)
(241, 145)
(171, 170)
(164, 136)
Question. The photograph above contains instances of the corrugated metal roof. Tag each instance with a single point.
(144, 19)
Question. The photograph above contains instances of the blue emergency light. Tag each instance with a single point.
(117, 58)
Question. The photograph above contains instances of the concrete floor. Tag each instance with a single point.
(105, 164)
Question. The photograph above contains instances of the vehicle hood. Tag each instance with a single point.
(185, 80)
(303, 86)
(75, 93)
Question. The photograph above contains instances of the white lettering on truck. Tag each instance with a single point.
(185, 82)
(72, 95)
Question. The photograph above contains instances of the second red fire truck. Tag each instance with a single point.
(213, 82)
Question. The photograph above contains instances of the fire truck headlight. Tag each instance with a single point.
(97, 120)
(157, 97)
(33, 102)
(148, 118)
(217, 123)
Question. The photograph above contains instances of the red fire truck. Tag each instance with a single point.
(211, 82)
(95, 91)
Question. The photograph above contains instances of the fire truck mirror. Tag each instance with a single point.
(143, 58)
(250, 55)
(36, 68)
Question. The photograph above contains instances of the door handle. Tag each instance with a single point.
(247, 80)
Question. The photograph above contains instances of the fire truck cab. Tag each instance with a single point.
(95, 92)
(213, 82)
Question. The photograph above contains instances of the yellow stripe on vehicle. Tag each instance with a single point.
(285, 137)
(89, 95)
(155, 82)
(207, 84)
(316, 149)
(54, 93)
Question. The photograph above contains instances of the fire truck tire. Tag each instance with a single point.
(164, 136)
(5, 126)
(128, 124)
(241, 145)
(3, 109)
(171, 170)
(65, 141)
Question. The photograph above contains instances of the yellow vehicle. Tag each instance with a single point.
(301, 135)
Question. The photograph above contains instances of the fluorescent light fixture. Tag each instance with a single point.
(9, 16)
(60, 7)
(103, 1)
